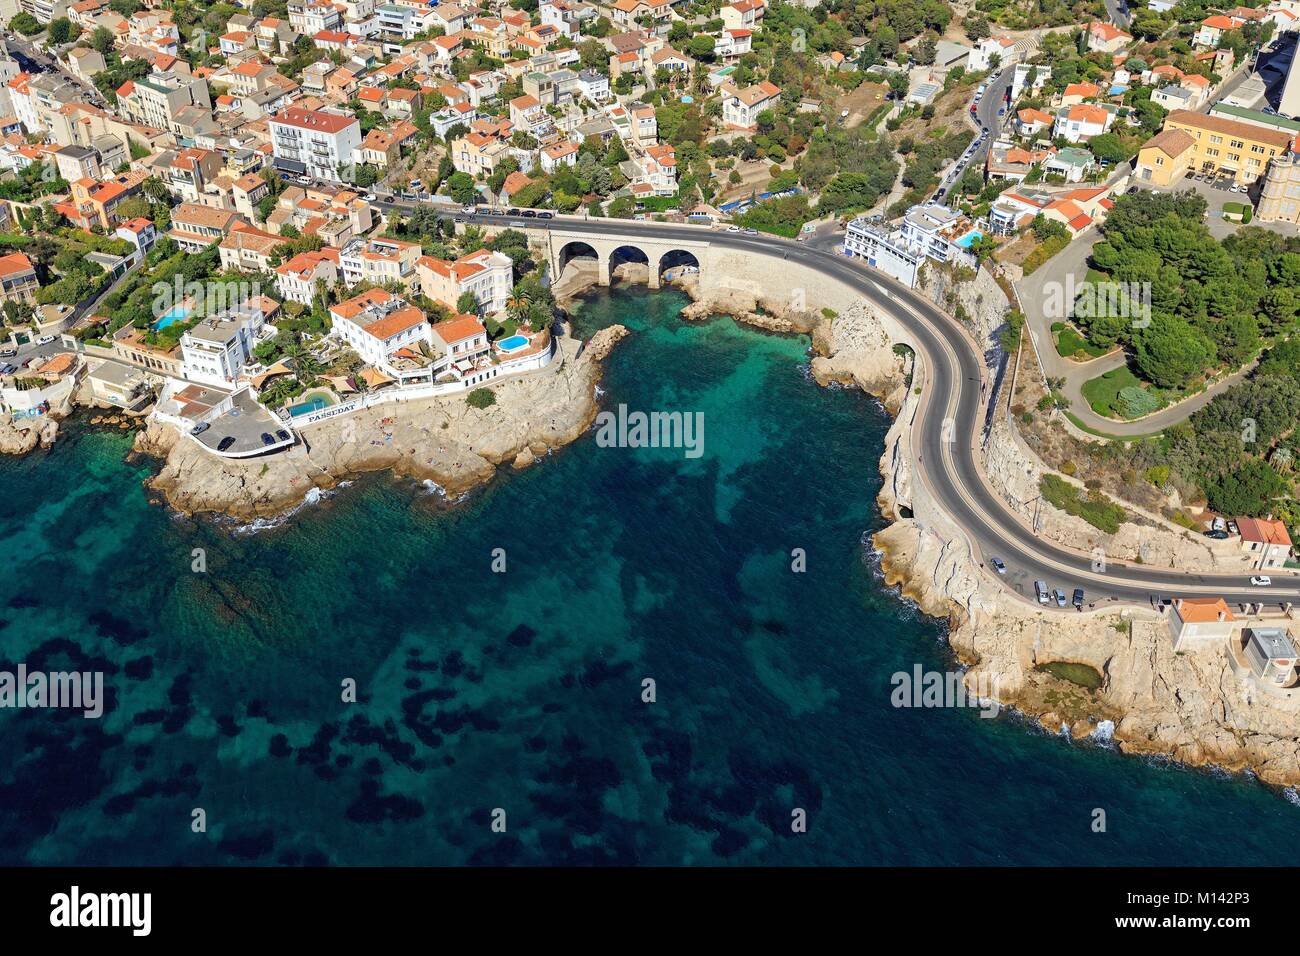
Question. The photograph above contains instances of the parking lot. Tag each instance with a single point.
(1216, 196)
(246, 422)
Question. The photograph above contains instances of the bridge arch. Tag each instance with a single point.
(673, 264)
(609, 248)
(629, 254)
(575, 249)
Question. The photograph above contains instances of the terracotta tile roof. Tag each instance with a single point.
(1203, 610)
(1263, 531)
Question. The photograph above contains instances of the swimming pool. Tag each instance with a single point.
(513, 344)
(969, 239)
(177, 313)
(313, 404)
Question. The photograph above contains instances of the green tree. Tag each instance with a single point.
(1171, 352)
(460, 186)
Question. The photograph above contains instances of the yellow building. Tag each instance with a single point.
(1210, 144)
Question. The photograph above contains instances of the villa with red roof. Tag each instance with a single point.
(377, 323)
(1106, 37)
(488, 275)
(1266, 540)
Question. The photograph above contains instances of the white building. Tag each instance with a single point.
(740, 108)
(377, 323)
(981, 58)
(314, 142)
(299, 278)
(1082, 121)
(216, 350)
(1271, 655)
(379, 260)
(929, 231)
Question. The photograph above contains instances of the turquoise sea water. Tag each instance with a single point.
(522, 690)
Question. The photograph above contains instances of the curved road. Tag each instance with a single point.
(954, 376)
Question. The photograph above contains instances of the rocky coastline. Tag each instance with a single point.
(1191, 707)
(441, 440)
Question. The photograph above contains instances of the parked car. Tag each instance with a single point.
(733, 229)
(1078, 598)
(1040, 589)
(998, 565)
(8, 353)
(200, 428)
(1059, 596)
(467, 210)
(751, 232)
(281, 434)
(546, 215)
(416, 186)
(225, 443)
(267, 439)
(45, 340)
(370, 197)
(8, 368)
(512, 211)
(1261, 580)
(529, 214)
(1217, 535)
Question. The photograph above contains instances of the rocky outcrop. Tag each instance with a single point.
(20, 438)
(855, 348)
(443, 440)
(1190, 706)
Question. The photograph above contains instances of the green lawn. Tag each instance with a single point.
(1103, 392)
(1071, 343)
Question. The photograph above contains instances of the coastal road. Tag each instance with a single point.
(948, 458)
(989, 122)
(1117, 10)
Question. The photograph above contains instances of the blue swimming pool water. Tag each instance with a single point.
(313, 404)
(967, 240)
(512, 344)
(177, 313)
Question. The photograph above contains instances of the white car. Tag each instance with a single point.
(1261, 581)
(733, 229)
(45, 340)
